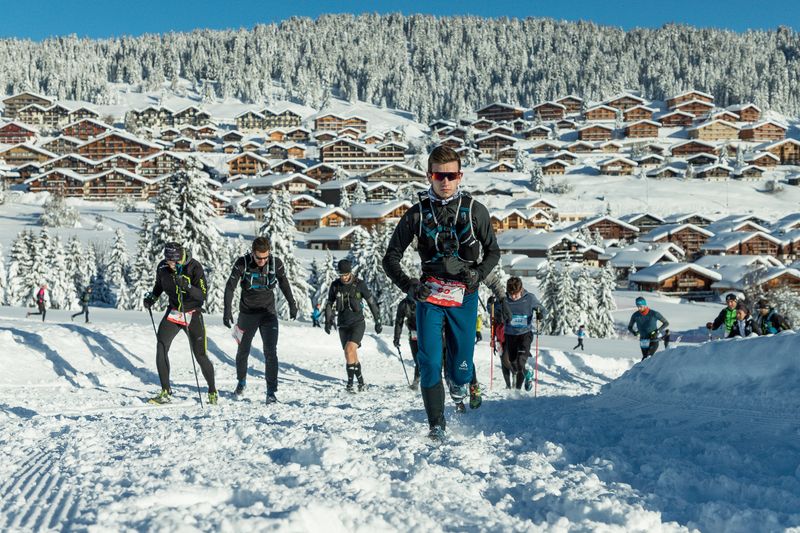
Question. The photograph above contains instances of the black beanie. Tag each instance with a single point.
(344, 267)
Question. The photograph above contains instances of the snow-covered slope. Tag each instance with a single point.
(697, 437)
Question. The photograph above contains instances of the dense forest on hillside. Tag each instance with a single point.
(433, 66)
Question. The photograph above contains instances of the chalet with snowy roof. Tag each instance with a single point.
(334, 122)
(743, 243)
(493, 143)
(62, 145)
(714, 130)
(279, 135)
(788, 150)
(14, 103)
(746, 112)
(21, 154)
(33, 115)
(571, 103)
(701, 159)
(786, 224)
(536, 243)
(502, 129)
(305, 201)
(687, 148)
(649, 160)
(563, 155)
(232, 136)
(673, 119)
(288, 166)
(370, 214)
(331, 191)
(639, 257)
(644, 221)
(107, 185)
(566, 124)
(689, 237)
(380, 191)
(608, 227)
(192, 115)
(749, 173)
(537, 133)
(501, 166)
(350, 154)
(534, 203)
(549, 111)
(555, 167)
(320, 217)
(116, 142)
(714, 171)
(508, 219)
(275, 150)
(637, 113)
(686, 279)
(452, 142)
(122, 161)
(206, 146)
(350, 132)
(668, 171)
(500, 112)
(545, 147)
(600, 113)
(17, 133)
(182, 144)
(323, 172)
(791, 246)
(299, 134)
(285, 118)
(332, 238)
(737, 223)
(697, 108)
(642, 129)
(624, 101)
(617, 166)
(441, 123)
(81, 113)
(75, 162)
(767, 130)
(762, 159)
(688, 96)
(762, 280)
(324, 137)
(160, 164)
(596, 132)
(247, 163)
(689, 218)
(522, 265)
(150, 117)
(249, 121)
(725, 115)
(580, 147)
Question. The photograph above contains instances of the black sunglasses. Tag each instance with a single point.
(449, 176)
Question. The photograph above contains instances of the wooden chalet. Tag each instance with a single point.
(624, 101)
(746, 112)
(115, 142)
(107, 185)
(247, 163)
(285, 118)
(21, 154)
(17, 133)
(333, 122)
(600, 113)
(687, 279)
(308, 220)
(688, 96)
(596, 132)
(500, 112)
(788, 150)
(493, 143)
(676, 119)
(697, 108)
(687, 148)
(62, 145)
(768, 130)
(549, 111)
(556, 167)
(369, 215)
(159, 164)
(689, 237)
(642, 129)
(332, 238)
(639, 112)
(609, 228)
(249, 121)
(743, 243)
(353, 155)
(537, 133)
(572, 103)
(763, 159)
(617, 166)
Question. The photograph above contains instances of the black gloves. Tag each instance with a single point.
(149, 301)
(539, 314)
(472, 278)
(227, 318)
(478, 337)
(396, 342)
(292, 310)
(182, 282)
(419, 291)
(654, 334)
(378, 328)
(327, 328)
(709, 325)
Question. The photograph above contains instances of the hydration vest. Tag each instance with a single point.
(447, 236)
(258, 280)
(349, 297)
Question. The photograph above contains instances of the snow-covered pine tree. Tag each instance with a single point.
(3, 278)
(39, 250)
(57, 214)
(74, 263)
(345, 201)
(89, 265)
(117, 267)
(101, 289)
(19, 269)
(549, 290)
(359, 195)
(537, 177)
(364, 257)
(387, 294)
(327, 274)
(142, 272)
(585, 297)
(565, 321)
(278, 227)
(59, 279)
(601, 322)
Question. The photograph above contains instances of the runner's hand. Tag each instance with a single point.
(227, 319)
(419, 291)
(378, 328)
(396, 342)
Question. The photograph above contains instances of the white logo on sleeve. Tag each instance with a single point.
(463, 366)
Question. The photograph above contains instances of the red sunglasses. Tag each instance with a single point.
(449, 176)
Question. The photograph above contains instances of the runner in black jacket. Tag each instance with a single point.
(346, 297)
(458, 249)
(257, 273)
(183, 281)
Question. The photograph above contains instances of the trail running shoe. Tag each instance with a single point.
(350, 388)
(362, 386)
(458, 392)
(436, 434)
(213, 397)
(460, 408)
(165, 396)
(271, 398)
(528, 379)
(475, 399)
(239, 392)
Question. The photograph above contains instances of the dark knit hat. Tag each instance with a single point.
(344, 266)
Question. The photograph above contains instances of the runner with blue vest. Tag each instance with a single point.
(257, 273)
(457, 249)
(523, 310)
(646, 325)
(182, 279)
(768, 321)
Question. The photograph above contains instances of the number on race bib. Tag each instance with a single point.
(446, 293)
(180, 318)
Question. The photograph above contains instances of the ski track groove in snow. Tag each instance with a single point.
(83, 454)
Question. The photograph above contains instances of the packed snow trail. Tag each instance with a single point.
(82, 449)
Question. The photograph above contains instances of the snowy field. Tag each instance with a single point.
(700, 437)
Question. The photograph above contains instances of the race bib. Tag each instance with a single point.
(237, 333)
(445, 293)
(412, 335)
(644, 343)
(180, 318)
(519, 321)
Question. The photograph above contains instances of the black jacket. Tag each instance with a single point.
(406, 312)
(190, 300)
(346, 300)
(748, 328)
(720, 320)
(481, 252)
(771, 323)
(257, 285)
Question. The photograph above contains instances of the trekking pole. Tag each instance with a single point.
(492, 348)
(194, 365)
(403, 364)
(536, 363)
(154, 322)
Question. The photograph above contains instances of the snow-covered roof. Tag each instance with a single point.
(670, 229)
(742, 107)
(724, 241)
(331, 233)
(528, 203)
(533, 239)
(680, 217)
(317, 213)
(786, 223)
(633, 257)
(501, 104)
(617, 159)
(632, 218)
(368, 187)
(596, 125)
(334, 185)
(410, 170)
(661, 271)
(550, 103)
(21, 125)
(712, 122)
(590, 222)
(691, 91)
(376, 209)
(742, 278)
(728, 225)
(718, 261)
(644, 121)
